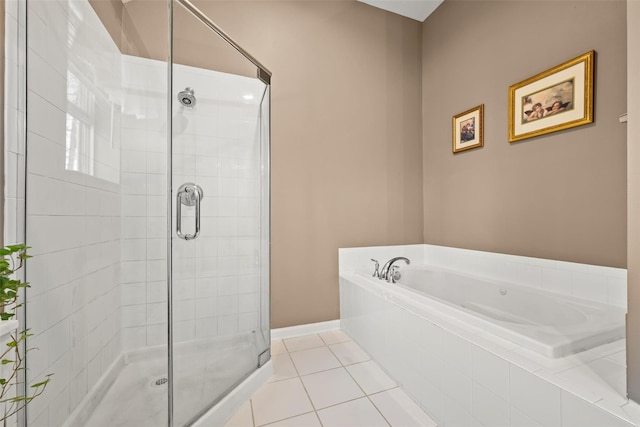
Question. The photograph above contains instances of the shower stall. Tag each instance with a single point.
(145, 191)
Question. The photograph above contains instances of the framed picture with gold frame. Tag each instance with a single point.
(557, 99)
(468, 129)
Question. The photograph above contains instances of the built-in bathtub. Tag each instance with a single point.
(551, 324)
(453, 361)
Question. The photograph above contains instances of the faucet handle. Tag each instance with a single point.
(376, 273)
(394, 274)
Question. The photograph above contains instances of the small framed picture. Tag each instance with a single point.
(468, 129)
(557, 99)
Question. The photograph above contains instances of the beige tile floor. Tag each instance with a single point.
(326, 380)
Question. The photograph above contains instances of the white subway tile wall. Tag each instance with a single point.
(73, 213)
(216, 285)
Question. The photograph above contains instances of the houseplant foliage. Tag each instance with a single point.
(12, 357)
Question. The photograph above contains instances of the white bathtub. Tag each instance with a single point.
(550, 324)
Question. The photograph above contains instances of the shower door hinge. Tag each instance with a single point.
(264, 76)
(264, 357)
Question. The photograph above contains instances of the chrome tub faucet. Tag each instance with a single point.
(389, 271)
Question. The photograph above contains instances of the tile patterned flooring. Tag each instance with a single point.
(326, 380)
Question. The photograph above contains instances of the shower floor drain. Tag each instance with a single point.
(160, 382)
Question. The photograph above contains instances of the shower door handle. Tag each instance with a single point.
(189, 194)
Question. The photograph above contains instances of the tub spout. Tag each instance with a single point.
(387, 269)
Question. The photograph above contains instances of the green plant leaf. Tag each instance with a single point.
(40, 384)
(12, 259)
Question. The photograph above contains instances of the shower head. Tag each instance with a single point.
(187, 97)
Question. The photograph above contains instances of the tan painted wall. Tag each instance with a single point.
(346, 130)
(633, 210)
(110, 13)
(560, 196)
(346, 138)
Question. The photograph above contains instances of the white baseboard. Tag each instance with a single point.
(307, 329)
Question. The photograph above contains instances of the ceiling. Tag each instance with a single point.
(415, 9)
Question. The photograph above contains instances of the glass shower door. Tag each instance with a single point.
(96, 214)
(219, 301)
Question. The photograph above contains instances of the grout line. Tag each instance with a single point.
(323, 340)
(337, 342)
(360, 363)
(292, 364)
(355, 381)
(387, 389)
(307, 393)
(309, 374)
(341, 403)
(253, 417)
(350, 364)
(336, 356)
(302, 382)
(342, 366)
(283, 419)
(305, 349)
(365, 393)
(331, 350)
(379, 411)
(331, 369)
(367, 396)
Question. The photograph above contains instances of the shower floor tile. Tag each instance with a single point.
(348, 392)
